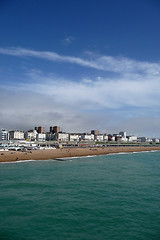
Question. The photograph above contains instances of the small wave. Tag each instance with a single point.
(19, 161)
(68, 158)
(25, 161)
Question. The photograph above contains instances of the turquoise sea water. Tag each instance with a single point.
(113, 197)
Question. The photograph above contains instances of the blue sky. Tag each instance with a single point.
(80, 64)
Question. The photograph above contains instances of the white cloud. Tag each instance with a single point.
(128, 101)
(106, 63)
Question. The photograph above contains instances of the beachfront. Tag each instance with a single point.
(7, 156)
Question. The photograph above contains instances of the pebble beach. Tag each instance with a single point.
(59, 154)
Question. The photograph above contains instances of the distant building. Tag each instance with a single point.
(41, 137)
(55, 129)
(132, 138)
(40, 129)
(50, 136)
(31, 135)
(4, 135)
(99, 138)
(123, 134)
(155, 140)
(16, 135)
(74, 137)
(95, 132)
(62, 137)
(105, 137)
(87, 137)
(145, 139)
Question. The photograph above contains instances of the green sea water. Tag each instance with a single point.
(113, 197)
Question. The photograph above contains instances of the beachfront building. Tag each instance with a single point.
(123, 134)
(87, 137)
(99, 138)
(4, 135)
(74, 137)
(132, 138)
(144, 139)
(105, 138)
(111, 138)
(62, 137)
(50, 136)
(155, 140)
(16, 135)
(41, 137)
(30, 135)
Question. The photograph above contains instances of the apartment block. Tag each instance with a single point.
(4, 135)
(16, 135)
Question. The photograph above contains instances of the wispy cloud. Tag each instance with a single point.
(68, 40)
(106, 63)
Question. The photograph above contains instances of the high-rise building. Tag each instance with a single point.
(39, 129)
(51, 129)
(55, 129)
(95, 132)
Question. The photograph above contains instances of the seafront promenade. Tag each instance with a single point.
(58, 154)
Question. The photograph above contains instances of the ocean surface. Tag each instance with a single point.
(113, 197)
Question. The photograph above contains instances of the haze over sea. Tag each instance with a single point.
(114, 197)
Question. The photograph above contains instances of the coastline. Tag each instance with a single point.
(59, 154)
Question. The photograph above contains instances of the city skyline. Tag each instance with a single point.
(84, 65)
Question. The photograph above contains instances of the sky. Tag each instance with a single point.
(82, 65)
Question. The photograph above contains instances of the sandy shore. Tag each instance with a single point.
(68, 152)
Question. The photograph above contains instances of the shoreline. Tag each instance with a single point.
(60, 154)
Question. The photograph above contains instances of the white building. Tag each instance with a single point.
(155, 140)
(105, 137)
(123, 134)
(132, 138)
(4, 135)
(87, 137)
(16, 135)
(41, 137)
(74, 137)
(62, 137)
(31, 135)
(145, 139)
(99, 138)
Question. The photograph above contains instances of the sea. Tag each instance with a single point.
(112, 197)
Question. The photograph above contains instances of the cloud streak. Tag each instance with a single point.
(105, 63)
